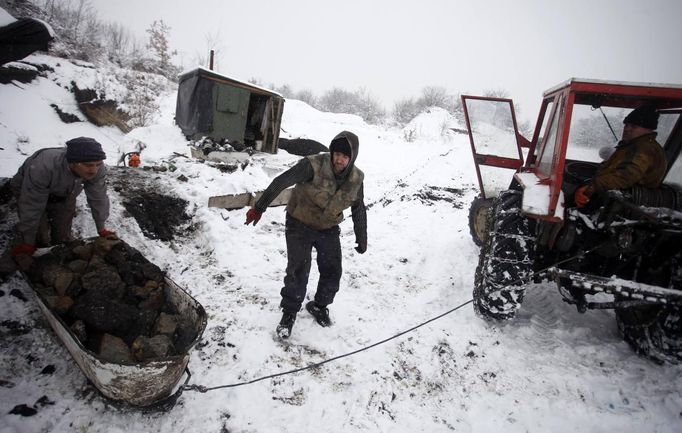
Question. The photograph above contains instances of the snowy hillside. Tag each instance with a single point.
(549, 370)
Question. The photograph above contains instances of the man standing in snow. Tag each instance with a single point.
(639, 160)
(46, 187)
(326, 184)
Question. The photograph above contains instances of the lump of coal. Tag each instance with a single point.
(152, 272)
(77, 266)
(105, 315)
(23, 410)
(83, 252)
(59, 304)
(49, 369)
(166, 324)
(112, 299)
(154, 301)
(114, 349)
(105, 281)
(158, 346)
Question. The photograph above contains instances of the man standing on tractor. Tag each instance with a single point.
(639, 160)
(46, 187)
(326, 184)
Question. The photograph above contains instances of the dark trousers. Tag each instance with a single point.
(301, 239)
(56, 222)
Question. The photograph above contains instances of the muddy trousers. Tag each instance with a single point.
(301, 239)
(56, 222)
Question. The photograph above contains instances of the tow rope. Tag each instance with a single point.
(521, 281)
(203, 389)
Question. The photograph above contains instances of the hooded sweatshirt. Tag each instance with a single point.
(320, 196)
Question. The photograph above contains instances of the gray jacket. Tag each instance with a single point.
(46, 174)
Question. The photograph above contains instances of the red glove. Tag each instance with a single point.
(107, 234)
(362, 247)
(582, 195)
(20, 249)
(253, 216)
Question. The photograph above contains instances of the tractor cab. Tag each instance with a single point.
(578, 126)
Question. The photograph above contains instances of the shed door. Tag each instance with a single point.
(229, 121)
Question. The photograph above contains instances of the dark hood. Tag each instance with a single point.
(354, 144)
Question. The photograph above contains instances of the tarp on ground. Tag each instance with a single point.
(22, 37)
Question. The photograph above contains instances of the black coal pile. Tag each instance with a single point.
(159, 214)
(301, 146)
(112, 298)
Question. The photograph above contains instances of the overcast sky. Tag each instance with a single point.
(394, 48)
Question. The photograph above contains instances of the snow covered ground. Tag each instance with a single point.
(549, 370)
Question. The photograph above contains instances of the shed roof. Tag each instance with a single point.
(214, 76)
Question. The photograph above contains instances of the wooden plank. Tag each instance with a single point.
(238, 201)
(196, 153)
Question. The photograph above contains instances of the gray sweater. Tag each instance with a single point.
(46, 174)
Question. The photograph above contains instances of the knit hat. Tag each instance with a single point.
(84, 149)
(645, 116)
(341, 145)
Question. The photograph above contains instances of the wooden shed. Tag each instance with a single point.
(228, 110)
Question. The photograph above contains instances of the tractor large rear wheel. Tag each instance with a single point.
(506, 260)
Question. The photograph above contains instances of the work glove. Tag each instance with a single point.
(582, 195)
(253, 216)
(362, 247)
(20, 249)
(107, 234)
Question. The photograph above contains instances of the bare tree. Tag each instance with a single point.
(337, 100)
(213, 43)
(117, 42)
(49, 8)
(307, 96)
(360, 102)
(158, 42)
(368, 107)
(140, 101)
(496, 93)
(405, 110)
(435, 96)
(79, 14)
(284, 90)
(91, 36)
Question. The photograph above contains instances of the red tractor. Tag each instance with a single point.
(624, 254)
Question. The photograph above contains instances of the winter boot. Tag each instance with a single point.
(285, 325)
(320, 313)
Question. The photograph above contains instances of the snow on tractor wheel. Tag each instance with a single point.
(506, 260)
(653, 331)
(478, 217)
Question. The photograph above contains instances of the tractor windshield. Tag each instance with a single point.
(549, 140)
(595, 132)
(592, 138)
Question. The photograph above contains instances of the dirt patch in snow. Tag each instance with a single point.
(159, 214)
